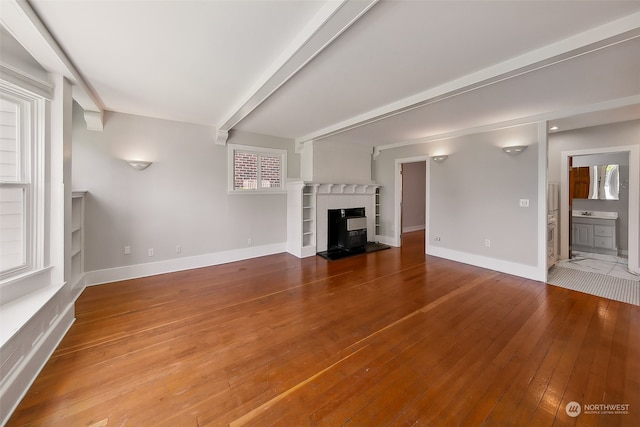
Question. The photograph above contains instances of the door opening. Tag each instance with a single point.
(413, 197)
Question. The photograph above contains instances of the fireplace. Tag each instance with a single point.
(347, 230)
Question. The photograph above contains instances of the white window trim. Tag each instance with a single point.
(33, 136)
(231, 150)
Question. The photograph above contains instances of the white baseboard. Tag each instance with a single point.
(386, 240)
(128, 272)
(516, 269)
(413, 228)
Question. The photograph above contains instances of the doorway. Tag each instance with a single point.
(632, 212)
(598, 185)
(414, 191)
(411, 197)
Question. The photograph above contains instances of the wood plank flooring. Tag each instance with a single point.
(392, 338)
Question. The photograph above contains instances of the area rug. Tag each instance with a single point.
(596, 284)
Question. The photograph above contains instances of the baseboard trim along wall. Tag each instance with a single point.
(521, 270)
(412, 228)
(387, 240)
(128, 272)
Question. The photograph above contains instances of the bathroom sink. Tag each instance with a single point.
(595, 214)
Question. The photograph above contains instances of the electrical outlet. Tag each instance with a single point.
(487, 243)
(178, 249)
(524, 203)
(249, 241)
(150, 251)
(437, 239)
(127, 250)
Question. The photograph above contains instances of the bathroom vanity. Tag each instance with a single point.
(594, 231)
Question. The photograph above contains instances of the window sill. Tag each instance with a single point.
(10, 281)
(17, 312)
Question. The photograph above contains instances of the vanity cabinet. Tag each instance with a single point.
(596, 235)
(582, 235)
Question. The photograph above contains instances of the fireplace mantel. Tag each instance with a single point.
(307, 206)
(325, 188)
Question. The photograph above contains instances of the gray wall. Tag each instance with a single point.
(613, 135)
(413, 195)
(335, 162)
(181, 199)
(474, 194)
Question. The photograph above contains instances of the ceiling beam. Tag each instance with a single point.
(19, 18)
(332, 20)
(597, 38)
(612, 104)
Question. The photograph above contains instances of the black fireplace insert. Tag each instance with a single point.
(347, 234)
(347, 230)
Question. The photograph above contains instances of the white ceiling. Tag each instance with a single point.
(401, 71)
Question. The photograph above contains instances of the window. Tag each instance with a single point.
(21, 117)
(256, 169)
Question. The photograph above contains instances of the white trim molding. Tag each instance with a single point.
(24, 80)
(50, 314)
(221, 137)
(98, 277)
(94, 120)
(271, 152)
(413, 228)
(609, 34)
(532, 272)
(397, 204)
(333, 19)
(28, 29)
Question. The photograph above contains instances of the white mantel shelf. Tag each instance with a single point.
(330, 188)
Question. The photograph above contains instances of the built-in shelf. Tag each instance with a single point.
(301, 215)
(77, 240)
(308, 229)
(377, 204)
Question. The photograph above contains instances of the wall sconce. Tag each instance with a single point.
(514, 149)
(139, 164)
(439, 159)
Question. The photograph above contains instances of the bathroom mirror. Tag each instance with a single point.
(601, 182)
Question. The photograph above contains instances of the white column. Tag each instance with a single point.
(60, 178)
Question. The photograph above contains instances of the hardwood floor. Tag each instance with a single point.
(389, 338)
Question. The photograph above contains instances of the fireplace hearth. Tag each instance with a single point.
(347, 234)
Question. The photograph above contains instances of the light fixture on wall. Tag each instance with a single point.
(440, 158)
(139, 164)
(514, 149)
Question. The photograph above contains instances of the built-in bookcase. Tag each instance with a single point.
(77, 240)
(378, 211)
(308, 216)
(301, 218)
